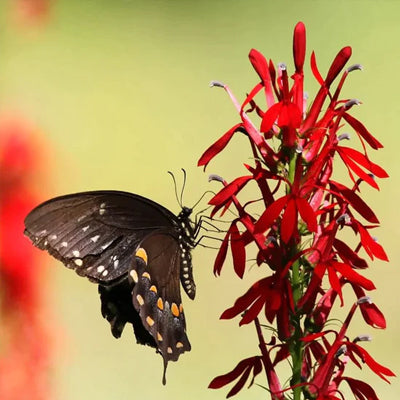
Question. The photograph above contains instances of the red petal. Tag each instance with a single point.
(353, 276)
(240, 383)
(290, 116)
(335, 283)
(365, 162)
(230, 190)
(223, 380)
(362, 131)
(238, 251)
(379, 369)
(299, 46)
(353, 166)
(372, 315)
(270, 117)
(252, 313)
(218, 146)
(270, 215)
(372, 247)
(259, 63)
(357, 202)
(361, 390)
(348, 255)
(289, 221)
(219, 260)
(243, 302)
(338, 64)
(307, 214)
(315, 70)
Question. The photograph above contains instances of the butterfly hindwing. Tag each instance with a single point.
(118, 309)
(156, 293)
(95, 233)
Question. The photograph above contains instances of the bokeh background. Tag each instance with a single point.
(119, 92)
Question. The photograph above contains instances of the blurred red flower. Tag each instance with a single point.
(26, 338)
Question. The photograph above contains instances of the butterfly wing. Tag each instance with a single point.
(118, 309)
(156, 294)
(96, 233)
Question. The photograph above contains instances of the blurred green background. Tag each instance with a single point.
(120, 89)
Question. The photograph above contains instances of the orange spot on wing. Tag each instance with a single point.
(141, 253)
(175, 310)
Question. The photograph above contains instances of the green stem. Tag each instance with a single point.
(296, 345)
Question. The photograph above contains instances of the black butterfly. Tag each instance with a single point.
(135, 249)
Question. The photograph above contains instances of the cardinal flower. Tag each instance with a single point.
(296, 226)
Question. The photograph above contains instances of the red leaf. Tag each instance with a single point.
(362, 131)
(270, 215)
(218, 146)
(231, 189)
(238, 251)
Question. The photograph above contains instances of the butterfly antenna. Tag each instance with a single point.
(201, 198)
(183, 185)
(176, 190)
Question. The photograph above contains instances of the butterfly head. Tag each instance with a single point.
(185, 213)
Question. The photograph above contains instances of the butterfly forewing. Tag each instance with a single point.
(95, 233)
(156, 294)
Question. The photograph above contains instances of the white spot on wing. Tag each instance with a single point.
(95, 238)
(64, 244)
(106, 245)
(102, 211)
(105, 273)
(116, 262)
(100, 268)
(53, 237)
(78, 262)
(85, 228)
(76, 253)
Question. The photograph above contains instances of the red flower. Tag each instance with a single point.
(25, 356)
(296, 221)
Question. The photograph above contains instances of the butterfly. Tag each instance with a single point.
(137, 251)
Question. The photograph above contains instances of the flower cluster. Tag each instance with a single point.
(298, 234)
